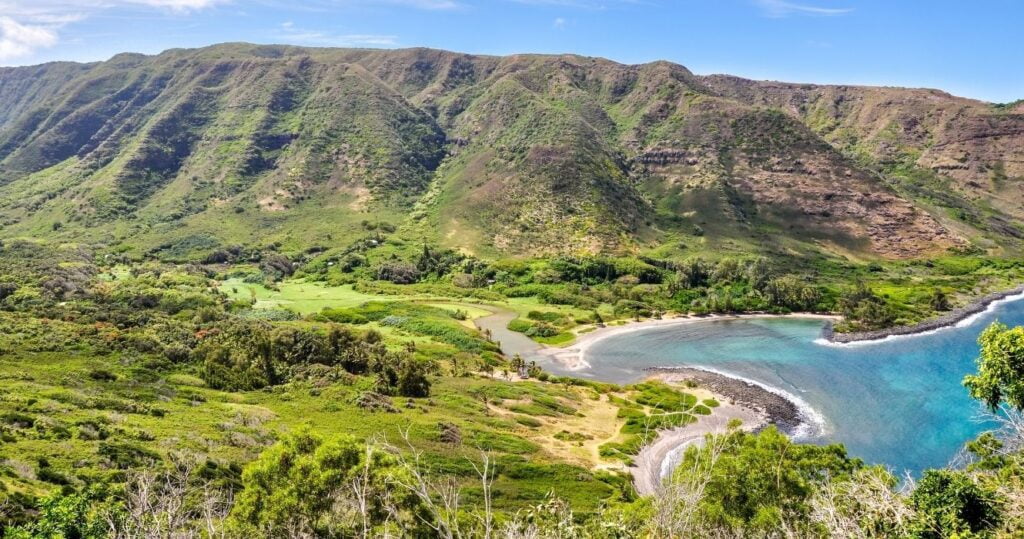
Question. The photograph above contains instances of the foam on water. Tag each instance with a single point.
(966, 322)
(898, 402)
(970, 320)
(812, 424)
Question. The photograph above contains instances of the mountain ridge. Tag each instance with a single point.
(420, 49)
(496, 155)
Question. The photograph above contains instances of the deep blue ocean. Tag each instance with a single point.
(898, 402)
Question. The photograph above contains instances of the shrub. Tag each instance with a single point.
(412, 379)
(102, 375)
(950, 504)
(543, 316)
(125, 456)
(449, 433)
(519, 325)
(375, 402)
(542, 329)
(398, 273)
(52, 476)
(298, 482)
(343, 316)
(567, 436)
(18, 420)
(753, 480)
(7, 290)
(66, 516)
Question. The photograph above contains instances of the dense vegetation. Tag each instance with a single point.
(152, 399)
(589, 289)
(646, 188)
(108, 369)
(238, 285)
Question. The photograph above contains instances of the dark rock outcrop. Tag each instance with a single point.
(951, 318)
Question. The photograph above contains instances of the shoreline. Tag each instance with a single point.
(573, 357)
(754, 405)
(776, 407)
(959, 317)
(659, 458)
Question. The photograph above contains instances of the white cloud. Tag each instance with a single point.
(27, 26)
(559, 23)
(781, 8)
(177, 5)
(51, 9)
(18, 40)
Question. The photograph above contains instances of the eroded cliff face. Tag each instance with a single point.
(984, 154)
(979, 147)
(525, 154)
(769, 167)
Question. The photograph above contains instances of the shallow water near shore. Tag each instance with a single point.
(898, 402)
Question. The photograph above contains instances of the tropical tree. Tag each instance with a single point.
(1000, 376)
(518, 364)
(759, 482)
(306, 485)
(412, 378)
(950, 504)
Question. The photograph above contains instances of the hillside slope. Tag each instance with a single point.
(957, 152)
(188, 151)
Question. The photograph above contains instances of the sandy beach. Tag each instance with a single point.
(755, 406)
(660, 457)
(573, 357)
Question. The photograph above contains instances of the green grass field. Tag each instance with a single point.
(55, 409)
(301, 296)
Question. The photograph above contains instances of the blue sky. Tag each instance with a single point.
(969, 48)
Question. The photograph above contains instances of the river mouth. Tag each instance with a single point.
(899, 403)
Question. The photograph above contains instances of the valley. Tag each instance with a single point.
(269, 290)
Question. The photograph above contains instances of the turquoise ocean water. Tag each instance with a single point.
(898, 402)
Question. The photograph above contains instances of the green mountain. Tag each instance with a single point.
(190, 151)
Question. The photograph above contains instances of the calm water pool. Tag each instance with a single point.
(898, 402)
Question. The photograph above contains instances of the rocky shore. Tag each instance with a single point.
(949, 319)
(660, 457)
(776, 409)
